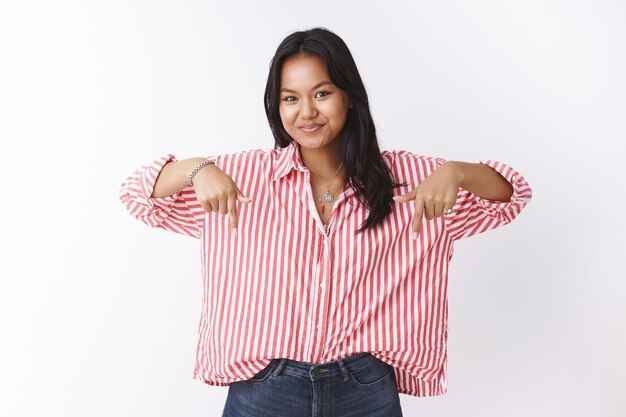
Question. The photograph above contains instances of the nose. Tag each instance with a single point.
(307, 109)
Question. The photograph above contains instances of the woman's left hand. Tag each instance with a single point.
(435, 194)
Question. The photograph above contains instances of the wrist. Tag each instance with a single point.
(459, 172)
(198, 167)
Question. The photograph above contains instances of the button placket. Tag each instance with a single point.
(311, 336)
(324, 299)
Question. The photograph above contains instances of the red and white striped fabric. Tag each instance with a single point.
(286, 286)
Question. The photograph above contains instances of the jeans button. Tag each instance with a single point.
(319, 371)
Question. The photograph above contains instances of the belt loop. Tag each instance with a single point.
(344, 370)
(279, 367)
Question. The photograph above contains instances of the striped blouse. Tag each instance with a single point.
(288, 286)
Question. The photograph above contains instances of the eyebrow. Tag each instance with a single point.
(318, 85)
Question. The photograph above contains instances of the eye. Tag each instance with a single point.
(288, 98)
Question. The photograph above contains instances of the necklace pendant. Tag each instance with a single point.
(328, 197)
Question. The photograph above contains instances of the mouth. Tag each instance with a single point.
(311, 128)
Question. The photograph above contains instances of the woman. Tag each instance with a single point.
(332, 295)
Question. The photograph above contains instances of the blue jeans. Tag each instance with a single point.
(360, 385)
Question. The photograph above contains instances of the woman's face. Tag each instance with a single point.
(309, 98)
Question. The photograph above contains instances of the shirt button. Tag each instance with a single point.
(322, 285)
(319, 326)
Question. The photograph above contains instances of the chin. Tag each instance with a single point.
(312, 142)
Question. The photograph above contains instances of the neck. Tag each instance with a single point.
(325, 162)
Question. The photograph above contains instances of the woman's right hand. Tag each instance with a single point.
(217, 192)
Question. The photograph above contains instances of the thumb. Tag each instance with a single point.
(242, 198)
(404, 197)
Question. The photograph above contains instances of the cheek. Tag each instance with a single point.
(286, 116)
(338, 115)
(336, 109)
(284, 120)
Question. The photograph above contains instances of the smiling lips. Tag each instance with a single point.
(311, 128)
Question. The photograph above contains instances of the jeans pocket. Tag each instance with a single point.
(372, 373)
(263, 374)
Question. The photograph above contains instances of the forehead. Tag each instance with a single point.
(303, 71)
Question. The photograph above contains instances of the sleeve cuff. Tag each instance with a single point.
(148, 179)
(521, 191)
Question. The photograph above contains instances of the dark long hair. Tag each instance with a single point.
(365, 168)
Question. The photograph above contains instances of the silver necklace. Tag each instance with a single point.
(328, 197)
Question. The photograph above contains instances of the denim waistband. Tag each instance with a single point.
(322, 370)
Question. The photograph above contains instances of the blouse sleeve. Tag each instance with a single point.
(179, 213)
(474, 214)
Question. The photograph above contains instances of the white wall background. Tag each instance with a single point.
(99, 313)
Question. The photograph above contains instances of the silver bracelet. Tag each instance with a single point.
(196, 169)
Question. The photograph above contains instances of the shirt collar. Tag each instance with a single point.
(288, 159)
